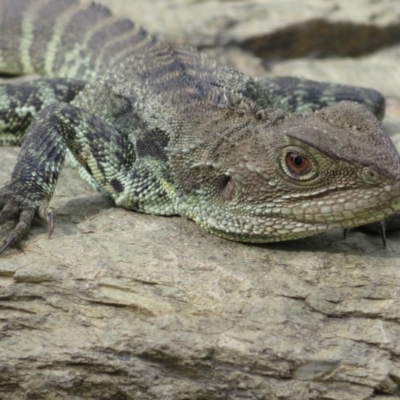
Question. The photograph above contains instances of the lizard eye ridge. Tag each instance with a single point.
(297, 164)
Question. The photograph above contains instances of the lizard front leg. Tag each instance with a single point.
(107, 159)
(34, 177)
(55, 129)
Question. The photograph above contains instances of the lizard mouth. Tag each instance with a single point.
(308, 218)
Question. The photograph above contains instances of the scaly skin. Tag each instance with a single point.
(162, 129)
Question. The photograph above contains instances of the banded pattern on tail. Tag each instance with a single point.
(295, 94)
(64, 38)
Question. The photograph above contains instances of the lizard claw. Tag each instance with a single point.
(51, 217)
(23, 225)
(9, 242)
(22, 203)
(382, 232)
(379, 227)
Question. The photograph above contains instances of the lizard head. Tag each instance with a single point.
(284, 176)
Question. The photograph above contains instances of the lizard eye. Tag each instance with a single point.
(297, 164)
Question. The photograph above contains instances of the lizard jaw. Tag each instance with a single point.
(276, 226)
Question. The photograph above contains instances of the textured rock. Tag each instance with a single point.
(279, 28)
(121, 305)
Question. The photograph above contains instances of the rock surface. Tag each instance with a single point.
(121, 305)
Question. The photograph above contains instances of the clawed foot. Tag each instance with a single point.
(379, 227)
(22, 201)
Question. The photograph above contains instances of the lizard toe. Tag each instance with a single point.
(11, 239)
(22, 226)
(16, 203)
(8, 213)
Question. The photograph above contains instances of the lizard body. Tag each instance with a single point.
(162, 129)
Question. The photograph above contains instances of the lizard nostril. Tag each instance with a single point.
(370, 175)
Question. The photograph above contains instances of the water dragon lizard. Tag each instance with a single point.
(162, 129)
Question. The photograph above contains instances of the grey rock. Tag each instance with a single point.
(120, 305)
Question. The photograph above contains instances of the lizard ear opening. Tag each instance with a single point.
(228, 189)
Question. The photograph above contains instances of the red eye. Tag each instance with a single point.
(297, 164)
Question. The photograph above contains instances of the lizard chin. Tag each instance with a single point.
(312, 217)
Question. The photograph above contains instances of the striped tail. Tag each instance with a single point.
(64, 38)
